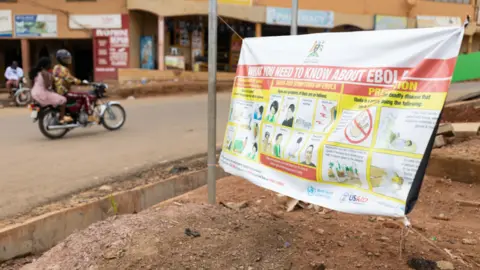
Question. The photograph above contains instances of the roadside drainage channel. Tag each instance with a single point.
(41, 233)
(446, 166)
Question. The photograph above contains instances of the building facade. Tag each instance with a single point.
(30, 29)
(105, 35)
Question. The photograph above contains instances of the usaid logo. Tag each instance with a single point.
(353, 198)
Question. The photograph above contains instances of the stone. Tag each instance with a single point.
(392, 225)
(291, 204)
(467, 241)
(235, 206)
(446, 130)
(340, 244)
(320, 231)
(441, 217)
(384, 239)
(131, 98)
(445, 265)
(439, 141)
(468, 203)
(318, 266)
(465, 130)
(106, 188)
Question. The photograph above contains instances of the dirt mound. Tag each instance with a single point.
(467, 149)
(468, 111)
(156, 239)
(264, 236)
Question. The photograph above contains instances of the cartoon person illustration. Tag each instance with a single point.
(266, 141)
(309, 156)
(253, 154)
(257, 115)
(277, 148)
(273, 112)
(228, 142)
(292, 153)
(288, 122)
(255, 130)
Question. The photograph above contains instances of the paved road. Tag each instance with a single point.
(461, 89)
(34, 170)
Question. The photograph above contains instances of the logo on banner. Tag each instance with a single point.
(357, 199)
(316, 192)
(316, 48)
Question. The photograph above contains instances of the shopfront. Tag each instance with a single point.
(187, 39)
(181, 42)
(111, 47)
(9, 49)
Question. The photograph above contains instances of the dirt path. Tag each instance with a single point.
(263, 236)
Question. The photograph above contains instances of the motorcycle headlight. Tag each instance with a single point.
(24, 80)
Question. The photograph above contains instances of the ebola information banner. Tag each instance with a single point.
(342, 120)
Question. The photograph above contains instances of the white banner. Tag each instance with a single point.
(341, 120)
(6, 25)
(101, 21)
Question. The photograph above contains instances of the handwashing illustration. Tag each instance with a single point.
(342, 173)
(391, 139)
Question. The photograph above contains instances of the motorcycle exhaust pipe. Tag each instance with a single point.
(57, 127)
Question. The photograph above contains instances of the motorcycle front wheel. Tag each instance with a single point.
(23, 99)
(114, 117)
(49, 118)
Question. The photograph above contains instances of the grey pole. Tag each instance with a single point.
(212, 100)
(294, 23)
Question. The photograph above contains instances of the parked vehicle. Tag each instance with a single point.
(110, 114)
(22, 95)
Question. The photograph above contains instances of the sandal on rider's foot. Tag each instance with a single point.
(66, 119)
(92, 118)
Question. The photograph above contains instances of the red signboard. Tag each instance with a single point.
(111, 50)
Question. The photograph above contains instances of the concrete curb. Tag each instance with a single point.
(441, 166)
(44, 232)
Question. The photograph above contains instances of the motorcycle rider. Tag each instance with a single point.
(42, 91)
(13, 74)
(64, 80)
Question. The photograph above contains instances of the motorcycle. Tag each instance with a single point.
(22, 95)
(48, 117)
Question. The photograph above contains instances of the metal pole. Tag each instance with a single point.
(294, 23)
(212, 100)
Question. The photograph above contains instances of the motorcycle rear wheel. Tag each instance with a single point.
(47, 118)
